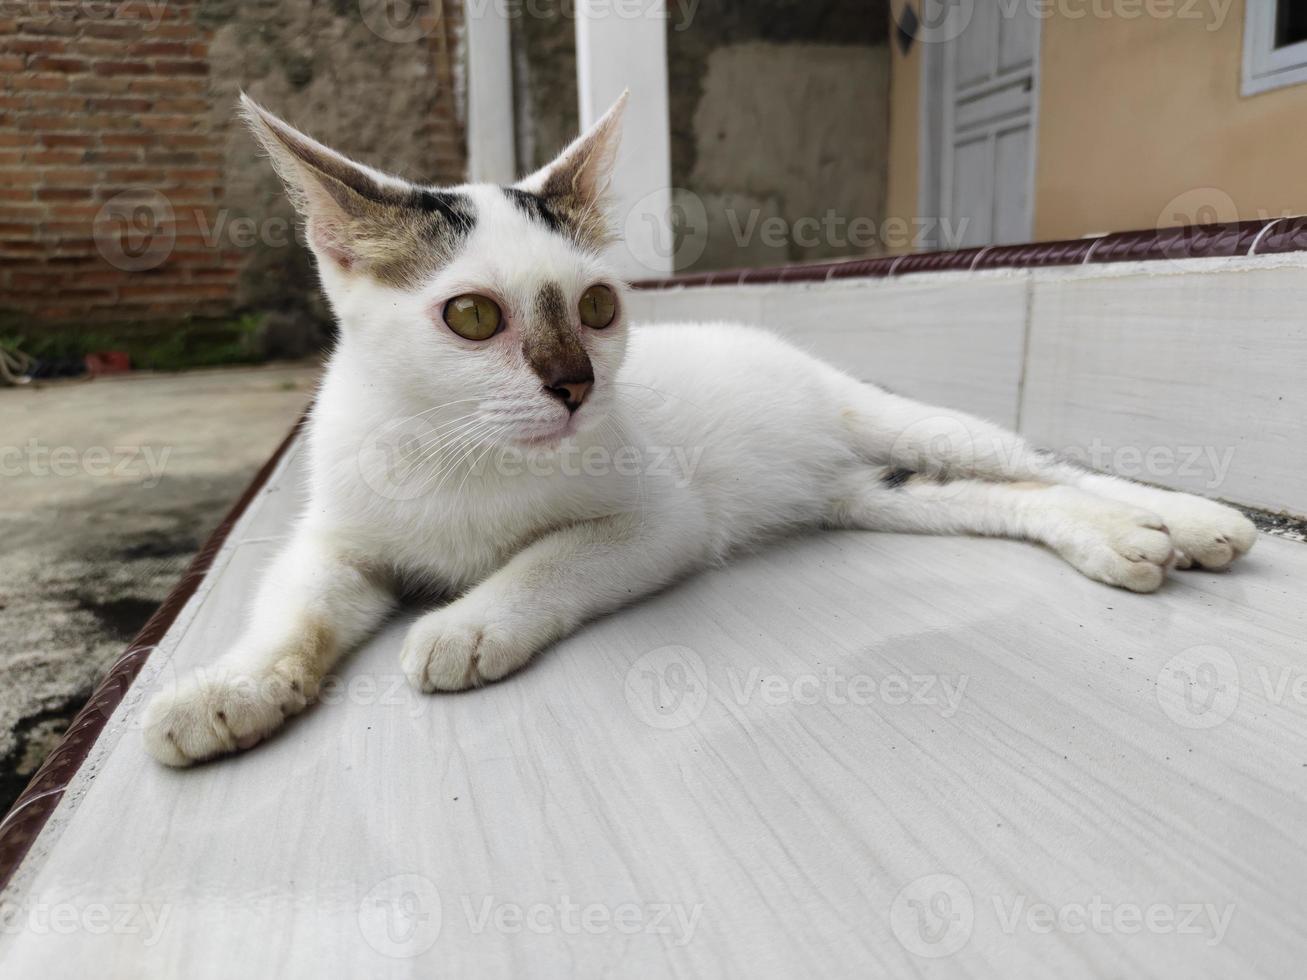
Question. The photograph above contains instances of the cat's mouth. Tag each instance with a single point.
(547, 438)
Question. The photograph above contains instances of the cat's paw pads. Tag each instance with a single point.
(219, 711)
(1207, 534)
(446, 651)
(1126, 547)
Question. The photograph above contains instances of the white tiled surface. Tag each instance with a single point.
(841, 720)
(1194, 381)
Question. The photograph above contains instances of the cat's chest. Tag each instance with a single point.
(460, 538)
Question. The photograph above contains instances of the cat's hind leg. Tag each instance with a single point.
(1106, 540)
(903, 434)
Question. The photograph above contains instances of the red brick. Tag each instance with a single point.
(181, 105)
(34, 45)
(63, 194)
(113, 156)
(162, 122)
(134, 175)
(90, 47)
(56, 27)
(39, 157)
(190, 66)
(122, 68)
(67, 178)
(169, 86)
(115, 31)
(100, 84)
(67, 139)
(66, 66)
(60, 103)
(128, 139)
(159, 48)
(37, 83)
(120, 103)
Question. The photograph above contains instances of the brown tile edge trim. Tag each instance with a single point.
(32, 809)
(1270, 236)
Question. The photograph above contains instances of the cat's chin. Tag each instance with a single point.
(547, 439)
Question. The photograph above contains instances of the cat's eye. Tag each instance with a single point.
(473, 317)
(598, 307)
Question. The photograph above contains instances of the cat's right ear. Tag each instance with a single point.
(575, 185)
(333, 193)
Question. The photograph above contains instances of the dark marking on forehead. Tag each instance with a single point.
(456, 209)
(404, 240)
(557, 208)
(534, 207)
(550, 341)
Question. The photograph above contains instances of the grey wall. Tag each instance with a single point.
(374, 90)
(779, 122)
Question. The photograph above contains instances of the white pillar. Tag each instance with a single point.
(620, 46)
(490, 153)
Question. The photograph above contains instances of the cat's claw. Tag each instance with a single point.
(218, 711)
(1124, 546)
(1206, 534)
(448, 650)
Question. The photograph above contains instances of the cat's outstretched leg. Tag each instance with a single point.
(1106, 540)
(940, 442)
(313, 604)
(549, 589)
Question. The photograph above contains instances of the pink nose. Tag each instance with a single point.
(570, 393)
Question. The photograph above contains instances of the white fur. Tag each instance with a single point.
(701, 439)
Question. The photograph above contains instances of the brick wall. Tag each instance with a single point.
(127, 191)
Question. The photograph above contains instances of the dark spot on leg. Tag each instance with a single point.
(895, 478)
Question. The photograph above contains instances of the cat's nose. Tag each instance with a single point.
(570, 393)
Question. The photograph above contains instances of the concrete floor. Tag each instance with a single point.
(109, 488)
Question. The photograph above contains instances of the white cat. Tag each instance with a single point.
(490, 424)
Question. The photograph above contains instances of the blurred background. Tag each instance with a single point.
(147, 249)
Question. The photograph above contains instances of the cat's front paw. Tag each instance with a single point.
(1206, 534)
(452, 649)
(217, 711)
(1120, 545)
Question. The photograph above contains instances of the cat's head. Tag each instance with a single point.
(490, 306)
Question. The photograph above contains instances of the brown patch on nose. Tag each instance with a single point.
(554, 350)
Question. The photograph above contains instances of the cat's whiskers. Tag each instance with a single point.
(469, 440)
(477, 462)
(489, 435)
(443, 438)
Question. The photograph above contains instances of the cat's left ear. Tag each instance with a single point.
(575, 185)
(344, 203)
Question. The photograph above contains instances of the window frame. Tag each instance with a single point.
(1266, 67)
